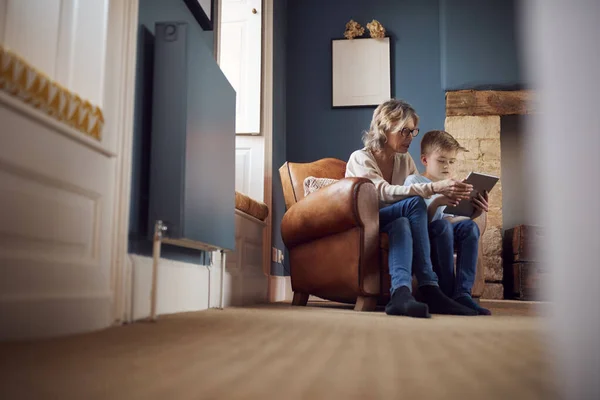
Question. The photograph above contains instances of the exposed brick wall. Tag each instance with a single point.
(481, 136)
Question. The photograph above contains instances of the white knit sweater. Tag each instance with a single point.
(362, 164)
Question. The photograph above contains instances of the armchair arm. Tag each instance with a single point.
(481, 222)
(479, 285)
(336, 208)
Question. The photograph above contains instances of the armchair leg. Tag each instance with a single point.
(300, 299)
(365, 303)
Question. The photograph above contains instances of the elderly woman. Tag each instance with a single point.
(403, 212)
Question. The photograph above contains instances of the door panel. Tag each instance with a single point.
(65, 39)
(240, 59)
(56, 204)
(249, 166)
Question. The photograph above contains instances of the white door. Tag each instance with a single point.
(56, 184)
(240, 59)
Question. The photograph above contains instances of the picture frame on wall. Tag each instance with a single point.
(361, 72)
(203, 11)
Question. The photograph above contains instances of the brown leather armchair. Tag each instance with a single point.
(335, 249)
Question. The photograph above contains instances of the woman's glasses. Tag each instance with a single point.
(406, 131)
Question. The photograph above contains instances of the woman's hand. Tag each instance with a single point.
(480, 203)
(453, 189)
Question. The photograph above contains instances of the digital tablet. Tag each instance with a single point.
(481, 182)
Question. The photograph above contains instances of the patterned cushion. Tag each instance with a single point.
(312, 184)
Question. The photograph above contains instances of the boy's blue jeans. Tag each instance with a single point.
(405, 222)
(445, 237)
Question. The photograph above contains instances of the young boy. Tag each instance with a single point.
(448, 232)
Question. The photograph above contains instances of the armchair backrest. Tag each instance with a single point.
(293, 176)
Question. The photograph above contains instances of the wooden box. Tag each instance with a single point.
(524, 275)
(521, 243)
(526, 281)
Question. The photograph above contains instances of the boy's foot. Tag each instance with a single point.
(439, 303)
(468, 301)
(403, 303)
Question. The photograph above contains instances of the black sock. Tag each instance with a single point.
(468, 301)
(403, 303)
(439, 303)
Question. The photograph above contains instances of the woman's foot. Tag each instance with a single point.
(468, 301)
(403, 303)
(439, 303)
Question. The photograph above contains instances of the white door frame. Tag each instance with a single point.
(119, 96)
(267, 125)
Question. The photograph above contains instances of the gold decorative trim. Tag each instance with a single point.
(21, 80)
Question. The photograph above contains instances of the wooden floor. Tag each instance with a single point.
(323, 351)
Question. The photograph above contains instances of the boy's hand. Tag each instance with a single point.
(446, 201)
(480, 203)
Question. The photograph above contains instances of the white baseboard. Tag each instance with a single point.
(182, 287)
(280, 289)
(23, 318)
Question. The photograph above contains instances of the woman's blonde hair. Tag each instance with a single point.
(385, 117)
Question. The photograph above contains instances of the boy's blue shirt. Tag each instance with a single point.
(439, 213)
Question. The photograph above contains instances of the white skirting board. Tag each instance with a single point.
(184, 287)
(181, 287)
(280, 289)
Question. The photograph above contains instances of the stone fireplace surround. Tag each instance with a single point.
(473, 118)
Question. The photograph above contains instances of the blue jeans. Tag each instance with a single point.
(405, 222)
(445, 237)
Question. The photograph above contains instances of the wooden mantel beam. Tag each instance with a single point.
(489, 102)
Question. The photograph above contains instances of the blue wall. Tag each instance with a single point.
(279, 126)
(438, 45)
(479, 45)
(314, 129)
(150, 12)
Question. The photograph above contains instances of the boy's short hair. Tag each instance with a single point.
(439, 141)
